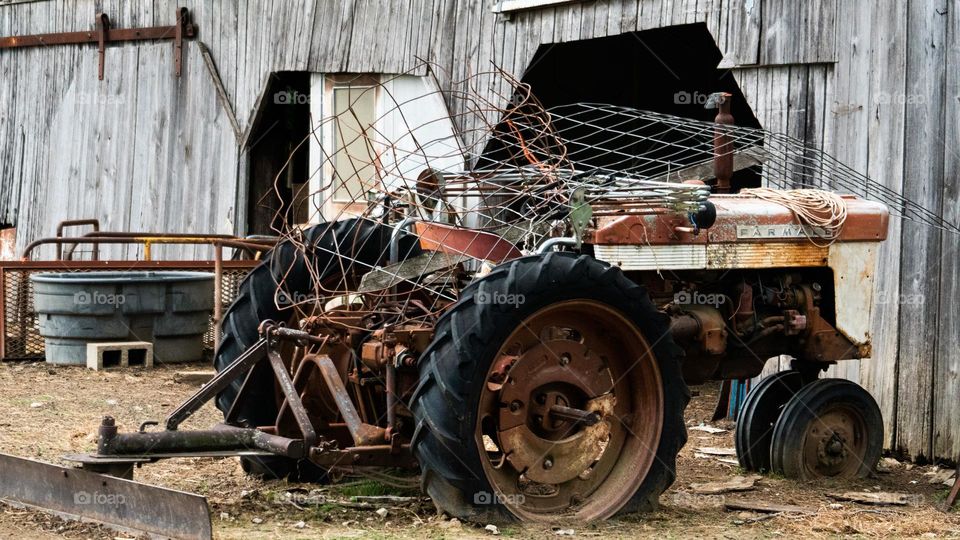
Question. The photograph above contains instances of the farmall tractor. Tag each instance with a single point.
(523, 331)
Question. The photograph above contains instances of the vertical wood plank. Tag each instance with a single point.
(742, 20)
(794, 32)
(920, 248)
(885, 140)
(946, 377)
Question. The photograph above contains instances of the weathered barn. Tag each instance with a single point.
(874, 82)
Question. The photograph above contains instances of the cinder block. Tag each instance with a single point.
(119, 354)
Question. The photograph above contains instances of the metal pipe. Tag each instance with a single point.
(74, 223)
(217, 293)
(722, 142)
(395, 238)
(392, 400)
(550, 243)
(952, 497)
(184, 240)
(222, 438)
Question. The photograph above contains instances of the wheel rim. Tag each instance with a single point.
(835, 443)
(543, 458)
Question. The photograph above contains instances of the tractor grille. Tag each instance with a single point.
(20, 334)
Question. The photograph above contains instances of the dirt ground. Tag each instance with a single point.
(46, 412)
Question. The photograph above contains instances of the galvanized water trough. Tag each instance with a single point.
(170, 309)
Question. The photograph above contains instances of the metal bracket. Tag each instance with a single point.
(580, 214)
(103, 34)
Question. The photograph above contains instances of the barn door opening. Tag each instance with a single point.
(666, 70)
(279, 156)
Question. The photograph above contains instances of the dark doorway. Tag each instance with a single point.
(666, 70)
(279, 157)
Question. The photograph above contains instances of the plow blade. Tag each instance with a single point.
(121, 504)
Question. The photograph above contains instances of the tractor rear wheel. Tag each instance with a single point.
(551, 391)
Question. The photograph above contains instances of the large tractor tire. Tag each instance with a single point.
(336, 255)
(552, 390)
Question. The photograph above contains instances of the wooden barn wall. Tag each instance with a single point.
(874, 82)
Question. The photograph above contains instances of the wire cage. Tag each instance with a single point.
(487, 179)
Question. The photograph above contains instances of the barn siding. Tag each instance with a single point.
(144, 150)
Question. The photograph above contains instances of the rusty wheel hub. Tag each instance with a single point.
(571, 414)
(835, 444)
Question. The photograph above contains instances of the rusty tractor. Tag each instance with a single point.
(533, 363)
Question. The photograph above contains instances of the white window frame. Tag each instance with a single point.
(335, 197)
(512, 6)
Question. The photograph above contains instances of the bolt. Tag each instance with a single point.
(515, 405)
(548, 463)
(564, 359)
(835, 446)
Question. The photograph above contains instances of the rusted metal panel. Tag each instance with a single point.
(477, 244)
(741, 219)
(121, 504)
(854, 267)
(8, 244)
(766, 255)
(713, 256)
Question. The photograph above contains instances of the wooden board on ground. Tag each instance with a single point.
(760, 506)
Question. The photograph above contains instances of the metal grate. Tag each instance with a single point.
(21, 326)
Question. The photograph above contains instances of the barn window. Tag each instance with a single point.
(355, 118)
(354, 109)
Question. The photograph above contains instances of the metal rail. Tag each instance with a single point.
(103, 34)
(149, 240)
(218, 241)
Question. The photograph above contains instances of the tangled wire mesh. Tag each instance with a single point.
(493, 178)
